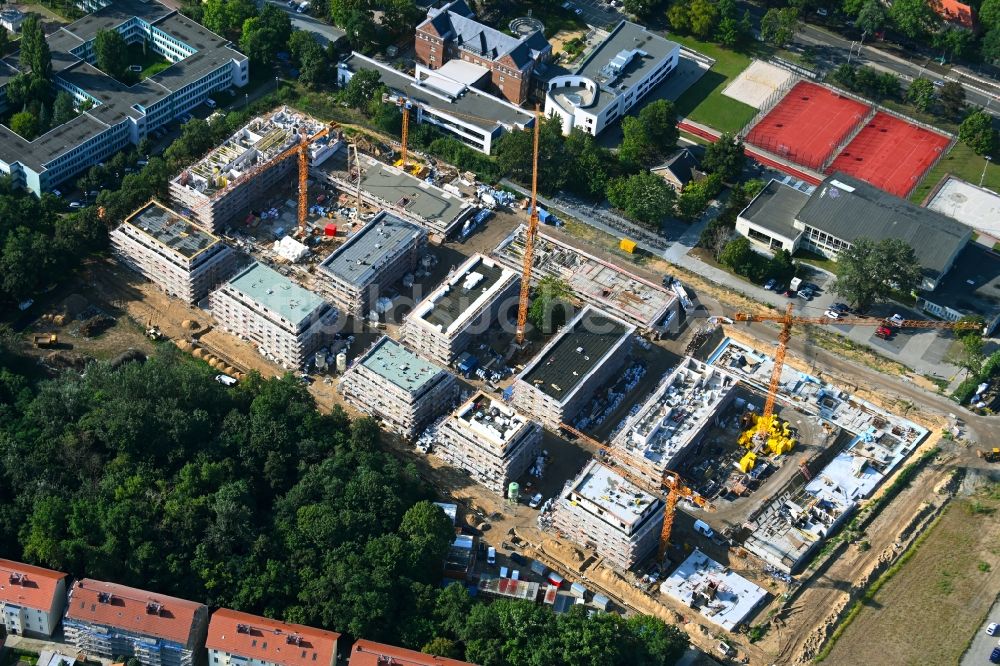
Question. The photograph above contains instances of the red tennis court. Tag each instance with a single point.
(808, 124)
(891, 154)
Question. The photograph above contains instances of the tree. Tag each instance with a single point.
(547, 311)
(644, 197)
(695, 197)
(640, 8)
(4, 41)
(952, 98)
(871, 18)
(341, 10)
(592, 165)
(921, 94)
(953, 40)
(112, 53)
(679, 17)
(263, 36)
(777, 27)
(443, 647)
(977, 132)
(26, 124)
(871, 271)
(989, 13)
(35, 53)
(649, 136)
(725, 157)
(737, 254)
(62, 108)
(914, 18)
(703, 17)
(970, 355)
(781, 266)
(990, 45)
(360, 90)
(400, 15)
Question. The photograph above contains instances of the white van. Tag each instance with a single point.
(226, 380)
(210, 103)
(702, 527)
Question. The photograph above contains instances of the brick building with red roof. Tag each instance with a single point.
(31, 598)
(114, 620)
(241, 639)
(370, 653)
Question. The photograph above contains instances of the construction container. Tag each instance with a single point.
(627, 245)
(601, 601)
(578, 590)
(330, 230)
(538, 568)
(513, 491)
(555, 579)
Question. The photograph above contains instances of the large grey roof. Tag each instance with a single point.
(776, 208)
(457, 23)
(455, 301)
(391, 360)
(626, 36)
(850, 209)
(382, 239)
(474, 106)
(973, 285)
(171, 230)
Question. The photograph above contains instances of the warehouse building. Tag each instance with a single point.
(224, 186)
(602, 510)
(287, 322)
(119, 114)
(674, 418)
(613, 78)
(464, 306)
(373, 258)
(391, 383)
(842, 210)
(181, 258)
(32, 599)
(585, 354)
(241, 639)
(114, 621)
(490, 441)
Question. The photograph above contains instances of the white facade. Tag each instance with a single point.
(286, 322)
(32, 599)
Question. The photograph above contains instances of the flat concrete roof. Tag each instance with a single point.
(413, 195)
(171, 230)
(364, 253)
(973, 206)
(723, 597)
(394, 362)
(462, 291)
(775, 208)
(613, 493)
(276, 293)
(494, 421)
(580, 347)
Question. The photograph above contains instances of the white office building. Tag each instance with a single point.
(629, 63)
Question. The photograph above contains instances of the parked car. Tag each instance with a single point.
(75, 204)
(992, 629)
(210, 103)
(832, 314)
(491, 555)
(536, 501)
(789, 293)
(883, 332)
(806, 294)
(703, 528)
(519, 559)
(842, 308)
(770, 284)
(896, 320)
(995, 655)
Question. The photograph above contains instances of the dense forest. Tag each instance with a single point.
(154, 475)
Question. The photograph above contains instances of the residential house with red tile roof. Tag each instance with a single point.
(113, 620)
(31, 598)
(370, 653)
(955, 12)
(241, 639)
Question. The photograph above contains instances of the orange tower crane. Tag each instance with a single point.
(529, 236)
(787, 320)
(670, 480)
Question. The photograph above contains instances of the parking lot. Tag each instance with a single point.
(982, 643)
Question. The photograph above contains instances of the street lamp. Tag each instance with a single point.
(983, 177)
(246, 100)
(276, 85)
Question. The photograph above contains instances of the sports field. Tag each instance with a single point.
(891, 154)
(808, 124)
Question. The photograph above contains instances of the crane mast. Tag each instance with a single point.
(529, 237)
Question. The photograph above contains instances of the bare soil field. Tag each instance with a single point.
(927, 612)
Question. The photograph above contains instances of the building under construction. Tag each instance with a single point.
(464, 306)
(722, 596)
(181, 258)
(393, 384)
(585, 354)
(226, 185)
(649, 307)
(602, 510)
(490, 441)
(676, 416)
(373, 258)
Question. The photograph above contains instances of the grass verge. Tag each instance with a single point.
(963, 163)
(704, 102)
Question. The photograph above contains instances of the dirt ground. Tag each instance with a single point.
(926, 612)
(559, 39)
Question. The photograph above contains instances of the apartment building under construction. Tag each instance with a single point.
(603, 510)
(489, 440)
(226, 185)
(180, 257)
(464, 306)
(393, 384)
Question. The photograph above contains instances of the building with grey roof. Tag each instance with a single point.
(202, 62)
(505, 62)
(569, 370)
(287, 322)
(472, 116)
(971, 288)
(180, 257)
(602, 510)
(465, 305)
(842, 210)
(489, 440)
(393, 384)
(612, 79)
(373, 258)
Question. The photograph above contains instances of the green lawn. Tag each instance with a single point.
(817, 260)
(549, 12)
(964, 164)
(704, 102)
(152, 63)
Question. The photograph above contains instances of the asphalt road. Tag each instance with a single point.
(982, 645)
(323, 31)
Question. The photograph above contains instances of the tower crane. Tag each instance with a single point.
(787, 320)
(529, 236)
(405, 104)
(670, 480)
